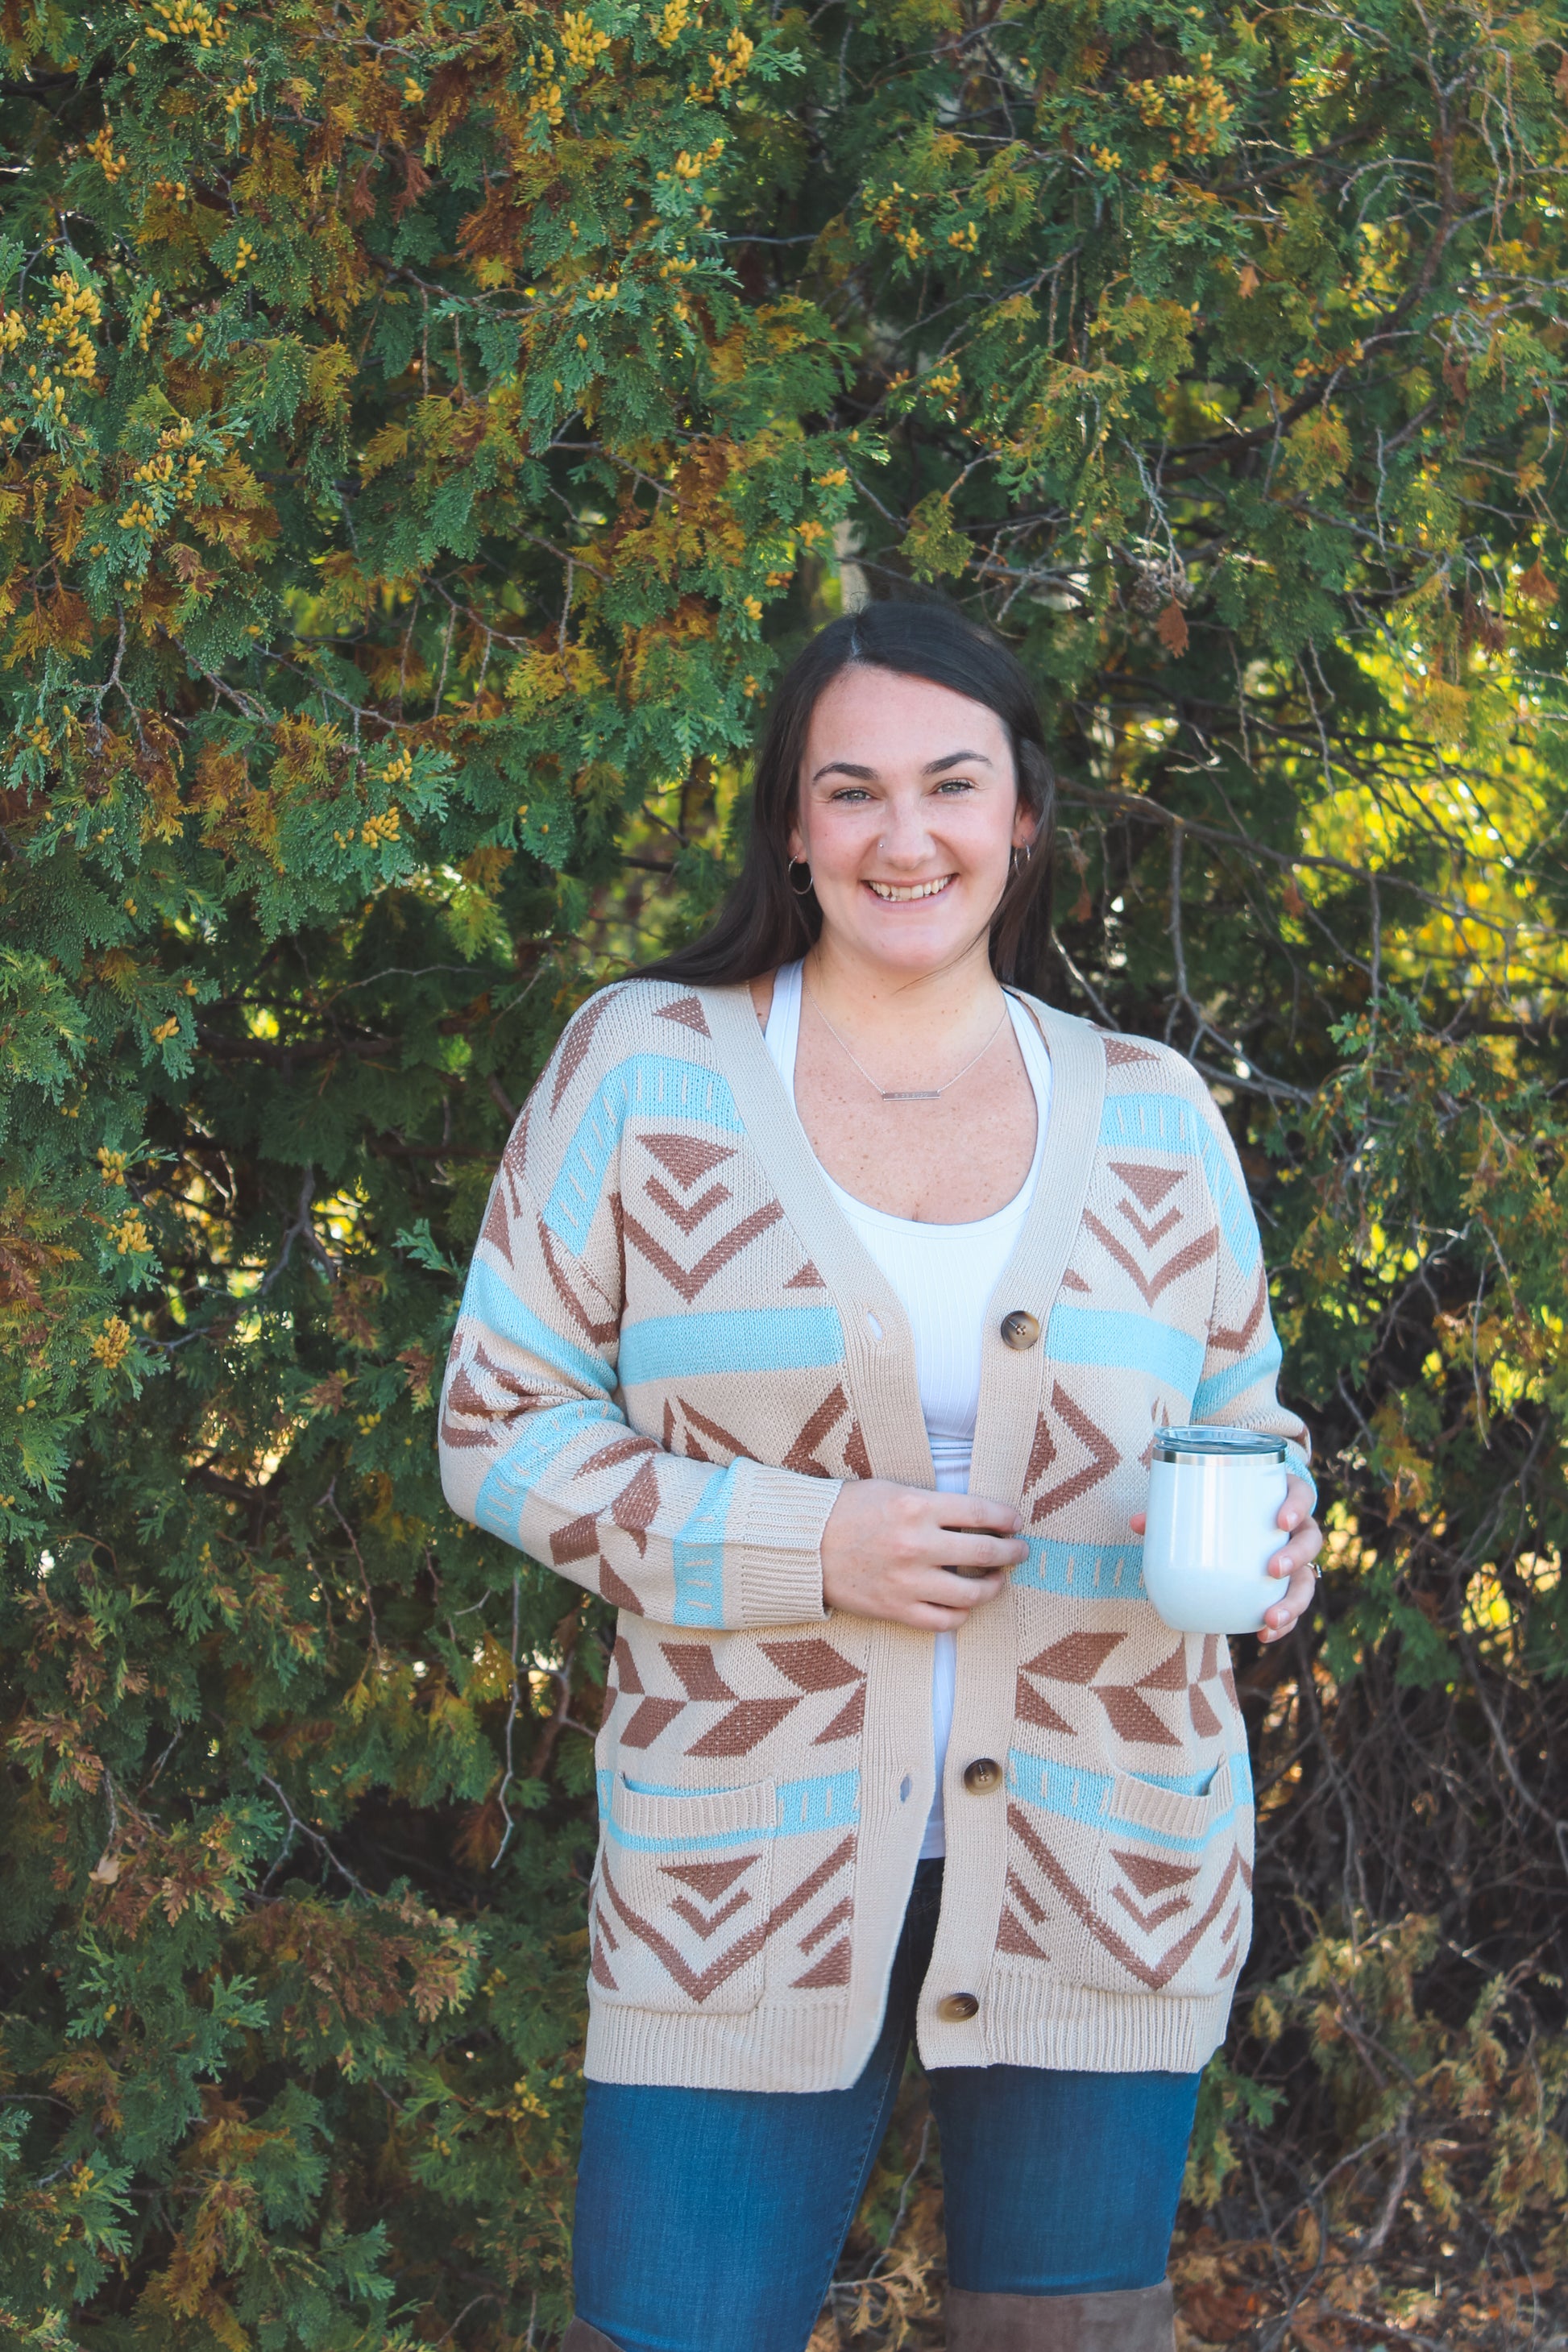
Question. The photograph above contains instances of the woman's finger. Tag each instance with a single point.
(955, 1511)
(1281, 1614)
(968, 1555)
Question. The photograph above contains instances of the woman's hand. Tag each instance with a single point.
(1294, 1562)
(920, 1558)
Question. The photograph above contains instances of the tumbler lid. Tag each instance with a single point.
(1208, 1439)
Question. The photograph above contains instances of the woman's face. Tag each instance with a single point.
(907, 816)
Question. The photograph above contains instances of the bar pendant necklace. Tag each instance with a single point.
(896, 1094)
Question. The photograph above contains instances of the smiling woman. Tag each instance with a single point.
(830, 1297)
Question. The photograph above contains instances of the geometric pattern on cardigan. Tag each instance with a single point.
(656, 1380)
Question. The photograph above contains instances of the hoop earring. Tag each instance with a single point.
(790, 870)
(1022, 853)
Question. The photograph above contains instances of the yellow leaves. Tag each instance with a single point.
(58, 623)
(240, 95)
(188, 20)
(131, 1237)
(1193, 109)
(112, 1345)
(934, 545)
(1317, 451)
(689, 166)
(668, 27)
(388, 446)
(541, 677)
(583, 41)
(244, 255)
(102, 150)
(327, 379)
(1159, 332)
(112, 1165)
(1247, 281)
(378, 829)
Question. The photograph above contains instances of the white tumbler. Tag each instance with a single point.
(1213, 1509)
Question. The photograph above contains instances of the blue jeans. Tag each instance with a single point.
(711, 2220)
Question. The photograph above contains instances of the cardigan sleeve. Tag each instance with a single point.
(1242, 1355)
(536, 1448)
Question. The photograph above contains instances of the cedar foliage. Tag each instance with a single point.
(428, 425)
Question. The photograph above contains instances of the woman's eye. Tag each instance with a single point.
(956, 785)
(851, 793)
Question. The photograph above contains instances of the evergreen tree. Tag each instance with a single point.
(427, 426)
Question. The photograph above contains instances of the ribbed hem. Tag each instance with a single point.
(765, 2049)
(1066, 2028)
(1074, 2028)
(777, 1532)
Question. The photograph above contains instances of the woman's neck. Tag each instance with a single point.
(876, 1004)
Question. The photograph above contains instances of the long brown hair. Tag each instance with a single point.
(764, 922)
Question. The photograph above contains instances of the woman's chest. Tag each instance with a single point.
(946, 1161)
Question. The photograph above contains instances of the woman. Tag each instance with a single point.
(829, 1298)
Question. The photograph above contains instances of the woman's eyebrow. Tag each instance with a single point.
(954, 760)
(931, 767)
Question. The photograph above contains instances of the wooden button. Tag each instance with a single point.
(983, 1775)
(957, 2007)
(1020, 1329)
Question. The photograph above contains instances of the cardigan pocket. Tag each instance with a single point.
(680, 1898)
(1172, 1911)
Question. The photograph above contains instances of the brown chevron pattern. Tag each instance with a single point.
(813, 1666)
(1154, 1973)
(685, 1436)
(1182, 1261)
(684, 1214)
(1103, 1457)
(601, 1329)
(1236, 1342)
(1078, 1658)
(691, 1282)
(578, 1040)
(699, 1984)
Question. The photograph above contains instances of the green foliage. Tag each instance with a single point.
(427, 425)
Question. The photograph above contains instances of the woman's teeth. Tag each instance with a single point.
(896, 892)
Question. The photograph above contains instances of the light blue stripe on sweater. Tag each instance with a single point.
(1166, 1123)
(1126, 1343)
(731, 1340)
(697, 1555)
(1080, 1796)
(830, 1801)
(1221, 1389)
(510, 1481)
(1083, 1572)
(489, 1299)
(660, 1084)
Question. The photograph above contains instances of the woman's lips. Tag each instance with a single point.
(905, 894)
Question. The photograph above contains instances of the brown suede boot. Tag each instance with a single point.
(580, 2337)
(1135, 2319)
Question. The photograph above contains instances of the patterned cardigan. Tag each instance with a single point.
(671, 1350)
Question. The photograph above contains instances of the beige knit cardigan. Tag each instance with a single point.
(671, 1350)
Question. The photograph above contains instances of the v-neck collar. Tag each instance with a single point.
(879, 1343)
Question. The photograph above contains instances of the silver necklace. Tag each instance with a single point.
(896, 1094)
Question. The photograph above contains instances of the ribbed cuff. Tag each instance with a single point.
(779, 1539)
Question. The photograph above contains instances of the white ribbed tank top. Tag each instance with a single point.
(943, 1276)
